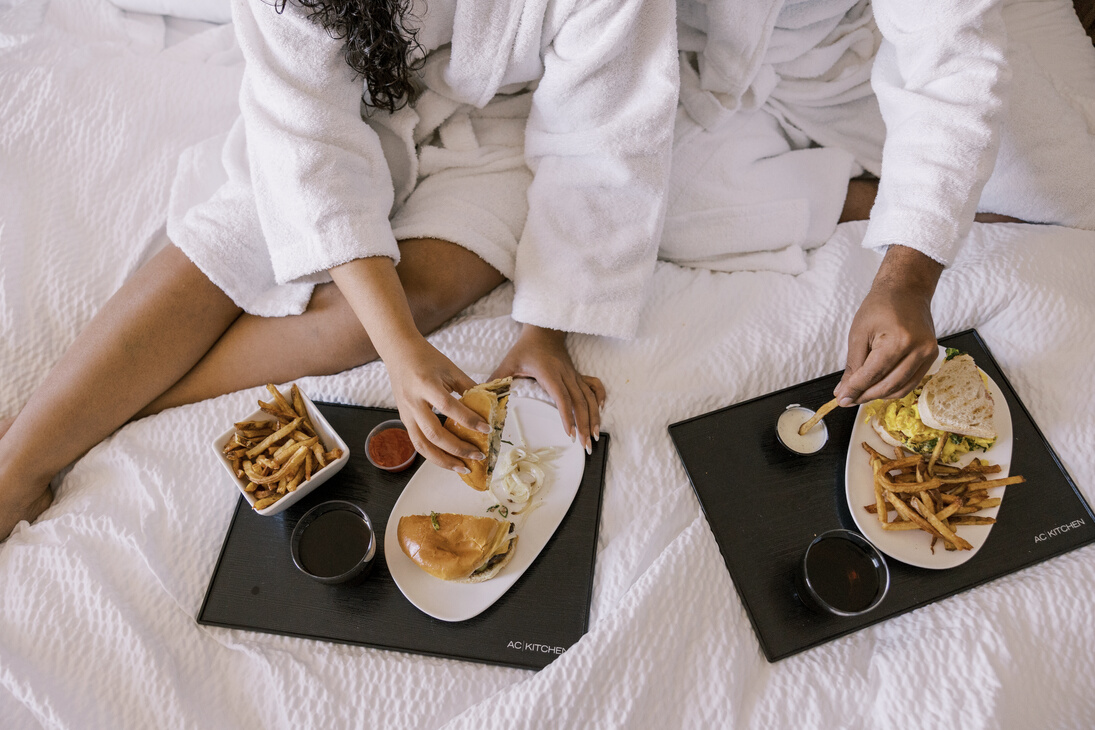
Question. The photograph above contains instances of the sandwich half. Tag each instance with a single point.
(455, 547)
(952, 404)
(489, 401)
(956, 400)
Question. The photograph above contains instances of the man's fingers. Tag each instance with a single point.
(850, 387)
(901, 381)
(857, 381)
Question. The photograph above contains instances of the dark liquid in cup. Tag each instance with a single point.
(843, 574)
(333, 543)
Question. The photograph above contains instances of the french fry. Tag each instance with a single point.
(932, 497)
(282, 403)
(277, 456)
(907, 512)
(879, 500)
(273, 438)
(298, 401)
(905, 525)
(971, 520)
(814, 419)
(939, 442)
(942, 529)
(262, 504)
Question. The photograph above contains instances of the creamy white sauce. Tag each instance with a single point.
(787, 429)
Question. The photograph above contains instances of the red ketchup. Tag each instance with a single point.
(391, 449)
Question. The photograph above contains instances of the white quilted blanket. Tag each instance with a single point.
(97, 600)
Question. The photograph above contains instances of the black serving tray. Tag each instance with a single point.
(764, 505)
(255, 585)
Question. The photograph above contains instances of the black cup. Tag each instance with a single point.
(842, 574)
(334, 542)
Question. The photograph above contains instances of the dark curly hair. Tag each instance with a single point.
(378, 45)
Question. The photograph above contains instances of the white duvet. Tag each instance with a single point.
(98, 598)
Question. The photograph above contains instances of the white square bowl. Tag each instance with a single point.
(327, 435)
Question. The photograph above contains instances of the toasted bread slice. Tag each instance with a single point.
(956, 400)
(489, 401)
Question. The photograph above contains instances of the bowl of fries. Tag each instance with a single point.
(281, 452)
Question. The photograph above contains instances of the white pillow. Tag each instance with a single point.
(212, 11)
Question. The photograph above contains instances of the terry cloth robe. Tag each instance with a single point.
(937, 81)
(597, 139)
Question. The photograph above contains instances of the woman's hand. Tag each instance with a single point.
(541, 354)
(892, 342)
(424, 379)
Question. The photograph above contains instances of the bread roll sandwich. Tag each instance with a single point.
(956, 400)
(952, 403)
(489, 401)
(455, 547)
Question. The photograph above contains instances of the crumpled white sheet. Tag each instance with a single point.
(98, 598)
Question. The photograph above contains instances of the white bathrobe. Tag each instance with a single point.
(783, 100)
(322, 185)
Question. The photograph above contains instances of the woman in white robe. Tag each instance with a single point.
(535, 148)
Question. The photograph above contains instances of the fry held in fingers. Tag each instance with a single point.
(816, 418)
(278, 455)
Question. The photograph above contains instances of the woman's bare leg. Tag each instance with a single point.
(138, 356)
(146, 337)
(439, 278)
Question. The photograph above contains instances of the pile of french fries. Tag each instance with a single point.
(932, 497)
(276, 456)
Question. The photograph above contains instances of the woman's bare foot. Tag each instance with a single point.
(17, 507)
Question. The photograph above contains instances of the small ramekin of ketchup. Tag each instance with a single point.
(389, 446)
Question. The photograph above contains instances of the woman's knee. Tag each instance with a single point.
(441, 278)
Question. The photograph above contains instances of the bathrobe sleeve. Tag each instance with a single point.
(598, 142)
(940, 79)
(322, 187)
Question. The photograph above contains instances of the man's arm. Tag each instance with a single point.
(892, 341)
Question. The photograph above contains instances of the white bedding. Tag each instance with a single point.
(98, 598)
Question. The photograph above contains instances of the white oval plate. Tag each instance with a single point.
(433, 489)
(914, 546)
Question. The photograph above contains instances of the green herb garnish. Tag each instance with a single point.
(952, 352)
(507, 442)
(434, 522)
(494, 507)
(503, 511)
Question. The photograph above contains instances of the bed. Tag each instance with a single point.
(98, 598)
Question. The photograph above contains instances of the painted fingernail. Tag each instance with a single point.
(589, 448)
(597, 435)
(477, 456)
(483, 428)
(461, 470)
(846, 402)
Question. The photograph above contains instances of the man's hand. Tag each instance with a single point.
(892, 341)
(542, 354)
